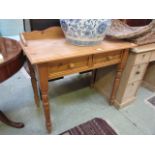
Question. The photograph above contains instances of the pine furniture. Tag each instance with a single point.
(50, 56)
(149, 80)
(140, 69)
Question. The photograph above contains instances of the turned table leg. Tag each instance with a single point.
(93, 78)
(7, 121)
(43, 80)
(120, 69)
(34, 83)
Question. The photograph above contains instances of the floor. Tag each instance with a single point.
(72, 102)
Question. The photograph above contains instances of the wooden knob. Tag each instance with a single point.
(60, 64)
(138, 72)
(109, 58)
(143, 55)
(71, 65)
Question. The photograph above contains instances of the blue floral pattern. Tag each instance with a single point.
(64, 25)
(85, 31)
(101, 28)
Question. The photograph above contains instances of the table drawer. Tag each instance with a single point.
(137, 72)
(131, 89)
(68, 65)
(142, 58)
(152, 56)
(107, 58)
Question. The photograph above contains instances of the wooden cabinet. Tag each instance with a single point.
(149, 78)
(152, 56)
(132, 78)
(142, 58)
(131, 89)
(138, 70)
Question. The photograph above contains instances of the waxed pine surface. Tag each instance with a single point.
(51, 45)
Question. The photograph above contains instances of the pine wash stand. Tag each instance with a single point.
(50, 56)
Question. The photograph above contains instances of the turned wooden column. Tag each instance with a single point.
(93, 77)
(120, 68)
(43, 81)
(34, 83)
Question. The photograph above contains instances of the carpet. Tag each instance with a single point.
(96, 126)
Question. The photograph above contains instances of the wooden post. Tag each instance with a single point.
(93, 78)
(34, 83)
(120, 69)
(43, 80)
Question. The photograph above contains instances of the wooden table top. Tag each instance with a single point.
(51, 45)
(10, 49)
(144, 48)
(13, 58)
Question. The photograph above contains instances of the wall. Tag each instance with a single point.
(9, 27)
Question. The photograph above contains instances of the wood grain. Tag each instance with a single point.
(13, 58)
(50, 45)
(152, 58)
(43, 81)
(34, 83)
(54, 57)
(13, 61)
(118, 75)
(149, 78)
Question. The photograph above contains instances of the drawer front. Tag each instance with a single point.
(107, 58)
(137, 72)
(152, 56)
(68, 65)
(132, 89)
(142, 58)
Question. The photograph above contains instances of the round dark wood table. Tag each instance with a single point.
(13, 61)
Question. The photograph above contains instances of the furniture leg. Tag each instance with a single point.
(93, 77)
(43, 80)
(118, 75)
(40, 94)
(7, 121)
(34, 83)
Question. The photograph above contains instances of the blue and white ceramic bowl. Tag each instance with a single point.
(85, 32)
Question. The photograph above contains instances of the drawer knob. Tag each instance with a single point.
(143, 55)
(60, 64)
(71, 65)
(137, 72)
(109, 58)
